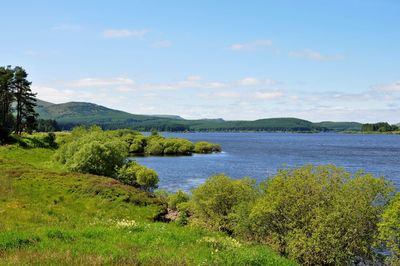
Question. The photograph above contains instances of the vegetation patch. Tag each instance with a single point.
(51, 216)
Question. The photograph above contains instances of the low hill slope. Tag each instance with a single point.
(71, 114)
(340, 126)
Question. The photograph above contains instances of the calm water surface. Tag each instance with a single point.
(259, 155)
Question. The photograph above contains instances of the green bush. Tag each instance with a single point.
(389, 228)
(92, 150)
(137, 175)
(138, 144)
(320, 215)
(174, 146)
(97, 158)
(177, 198)
(154, 146)
(206, 147)
(215, 202)
(147, 178)
(50, 139)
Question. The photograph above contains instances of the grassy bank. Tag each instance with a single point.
(50, 216)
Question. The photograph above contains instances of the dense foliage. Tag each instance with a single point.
(316, 215)
(16, 97)
(95, 157)
(205, 147)
(379, 127)
(389, 229)
(92, 151)
(137, 175)
(158, 145)
(320, 215)
(52, 217)
(95, 151)
(47, 125)
(216, 202)
(176, 199)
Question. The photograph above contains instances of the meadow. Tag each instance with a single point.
(51, 216)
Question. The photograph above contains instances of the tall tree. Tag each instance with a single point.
(6, 94)
(6, 99)
(25, 102)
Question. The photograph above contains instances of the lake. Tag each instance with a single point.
(259, 155)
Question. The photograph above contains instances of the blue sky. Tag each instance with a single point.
(317, 60)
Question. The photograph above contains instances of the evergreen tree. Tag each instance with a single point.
(25, 102)
(6, 99)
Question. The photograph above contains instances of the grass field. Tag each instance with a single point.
(49, 216)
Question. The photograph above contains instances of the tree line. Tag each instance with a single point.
(17, 102)
(379, 127)
(17, 105)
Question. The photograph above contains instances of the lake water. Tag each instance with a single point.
(259, 155)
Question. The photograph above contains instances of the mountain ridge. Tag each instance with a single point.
(74, 113)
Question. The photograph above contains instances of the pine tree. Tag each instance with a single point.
(25, 102)
(6, 99)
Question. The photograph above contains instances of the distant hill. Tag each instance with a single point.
(340, 126)
(169, 116)
(43, 104)
(71, 114)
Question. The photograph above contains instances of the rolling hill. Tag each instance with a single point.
(71, 114)
(340, 126)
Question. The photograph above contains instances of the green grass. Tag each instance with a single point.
(49, 216)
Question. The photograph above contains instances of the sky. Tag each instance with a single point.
(317, 60)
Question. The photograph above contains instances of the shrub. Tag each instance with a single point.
(137, 175)
(206, 147)
(137, 145)
(320, 215)
(95, 157)
(147, 178)
(177, 198)
(215, 202)
(389, 228)
(174, 146)
(50, 139)
(92, 150)
(154, 146)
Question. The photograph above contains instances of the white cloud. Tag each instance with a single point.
(124, 84)
(227, 94)
(314, 55)
(191, 82)
(268, 95)
(161, 44)
(215, 85)
(393, 87)
(102, 82)
(248, 95)
(124, 33)
(224, 99)
(56, 95)
(250, 81)
(250, 45)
